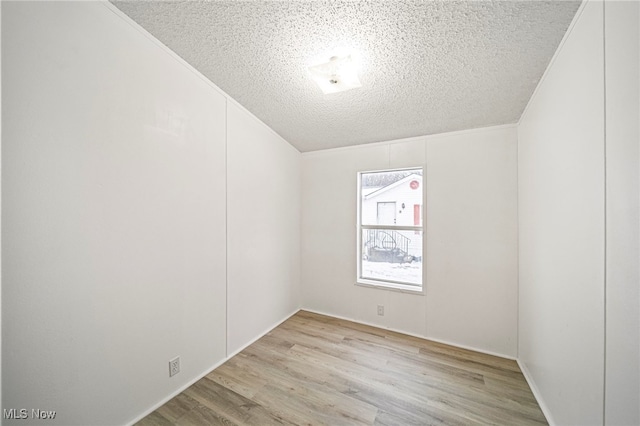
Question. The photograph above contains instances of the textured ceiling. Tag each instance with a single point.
(426, 66)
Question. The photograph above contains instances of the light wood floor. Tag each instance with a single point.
(314, 369)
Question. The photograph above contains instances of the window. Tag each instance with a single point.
(390, 229)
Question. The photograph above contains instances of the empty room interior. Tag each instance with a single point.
(320, 212)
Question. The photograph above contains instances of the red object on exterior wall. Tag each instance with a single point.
(414, 184)
(416, 214)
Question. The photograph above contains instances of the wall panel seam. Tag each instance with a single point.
(226, 227)
(604, 140)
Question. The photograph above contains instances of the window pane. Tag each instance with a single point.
(391, 198)
(392, 255)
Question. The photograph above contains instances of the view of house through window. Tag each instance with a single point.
(390, 228)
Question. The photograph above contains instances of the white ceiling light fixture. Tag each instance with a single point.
(337, 75)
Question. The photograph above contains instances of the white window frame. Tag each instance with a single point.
(389, 284)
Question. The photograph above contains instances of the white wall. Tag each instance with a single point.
(114, 223)
(264, 228)
(561, 214)
(134, 230)
(579, 319)
(622, 392)
(471, 238)
(0, 207)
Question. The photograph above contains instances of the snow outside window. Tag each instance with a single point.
(390, 229)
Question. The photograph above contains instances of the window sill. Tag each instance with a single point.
(381, 285)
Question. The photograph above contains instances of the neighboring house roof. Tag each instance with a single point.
(367, 191)
(379, 191)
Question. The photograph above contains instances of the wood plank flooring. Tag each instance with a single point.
(314, 369)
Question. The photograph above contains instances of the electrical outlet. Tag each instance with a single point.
(381, 310)
(174, 366)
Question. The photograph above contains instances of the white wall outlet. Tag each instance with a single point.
(381, 310)
(174, 366)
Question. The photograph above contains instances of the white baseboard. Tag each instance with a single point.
(204, 373)
(536, 392)
(457, 345)
(522, 366)
(264, 333)
(471, 348)
(175, 393)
